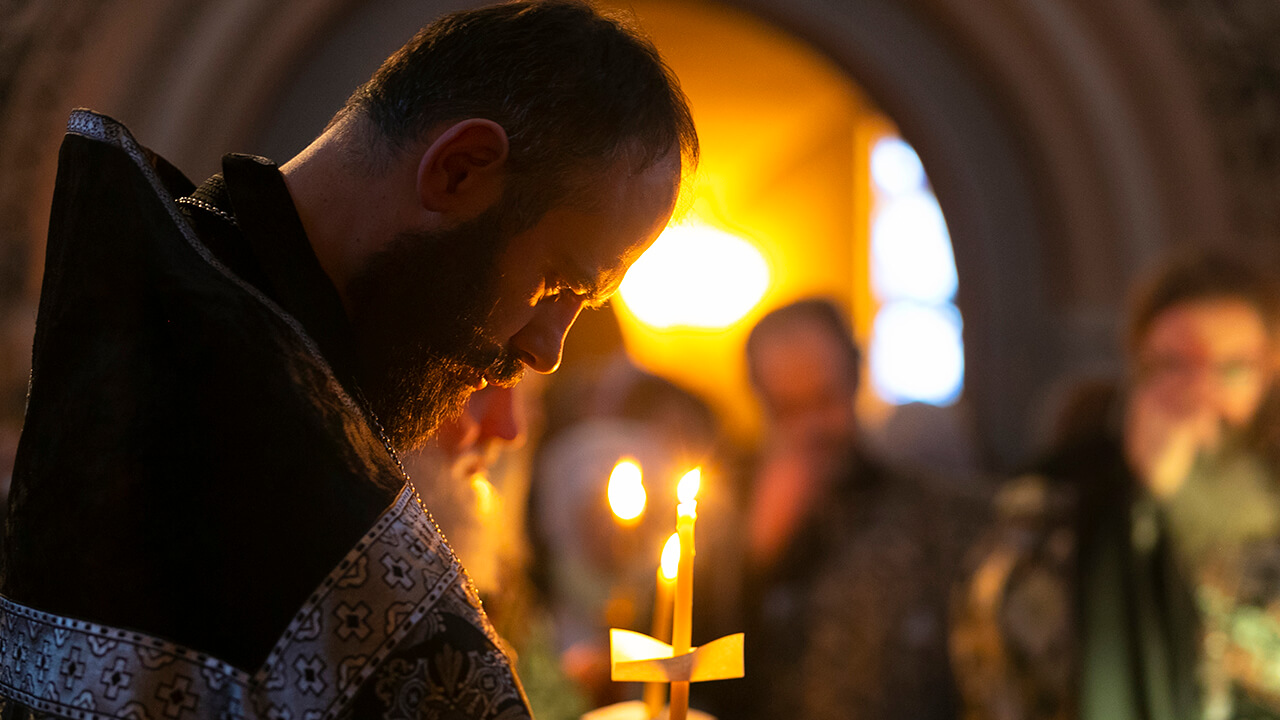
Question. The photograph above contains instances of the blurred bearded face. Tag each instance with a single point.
(491, 421)
(1212, 355)
(419, 311)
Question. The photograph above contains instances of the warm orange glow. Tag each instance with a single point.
(782, 136)
(486, 495)
(627, 496)
(695, 276)
(689, 485)
(671, 556)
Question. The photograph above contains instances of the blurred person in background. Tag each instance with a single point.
(1135, 572)
(461, 477)
(846, 561)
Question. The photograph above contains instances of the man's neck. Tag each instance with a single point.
(349, 208)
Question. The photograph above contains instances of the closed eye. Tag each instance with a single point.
(594, 302)
(591, 297)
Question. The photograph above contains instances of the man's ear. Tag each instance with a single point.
(463, 170)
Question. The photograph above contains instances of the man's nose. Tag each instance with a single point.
(541, 341)
(497, 416)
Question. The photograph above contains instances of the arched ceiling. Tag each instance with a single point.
(1068, 142)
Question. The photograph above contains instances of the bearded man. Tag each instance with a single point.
(1134, 572)
(208, 518)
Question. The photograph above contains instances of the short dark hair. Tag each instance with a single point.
(1197, 275)
(819, 312)
(575, 90)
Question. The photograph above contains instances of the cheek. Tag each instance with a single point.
(516, 297)
(1177, 392)
(508, 320)
(1173, 390)
(1238, 404)
(510, 309)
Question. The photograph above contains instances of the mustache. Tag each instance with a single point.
(507, 370)
(481, 355)
(500, 364)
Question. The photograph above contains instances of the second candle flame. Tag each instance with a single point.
(671, 556)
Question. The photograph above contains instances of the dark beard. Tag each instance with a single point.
(418, 311)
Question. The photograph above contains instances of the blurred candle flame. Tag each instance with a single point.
(696, 276)
(687, 490)
(671, 556)
(627, 496)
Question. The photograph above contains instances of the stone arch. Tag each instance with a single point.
(1069, 149)
(1065, 142)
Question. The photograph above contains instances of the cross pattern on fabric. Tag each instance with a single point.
(358, 615)
(337, 640)
(82, 670)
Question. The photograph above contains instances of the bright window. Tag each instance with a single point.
(917, 353)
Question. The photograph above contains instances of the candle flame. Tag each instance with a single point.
(671, 556)
(687, 490)
(627, 496)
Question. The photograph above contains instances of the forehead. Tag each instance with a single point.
(800, 359)
(618, 216)
(1213, 326)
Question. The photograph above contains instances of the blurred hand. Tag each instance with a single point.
(1162, 437)
(796, 474)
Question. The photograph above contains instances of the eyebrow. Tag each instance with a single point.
(596, 294)
(590, 286)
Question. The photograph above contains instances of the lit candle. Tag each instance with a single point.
(627, 496)
(627, 499)
(655, 693)
(682, 623)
